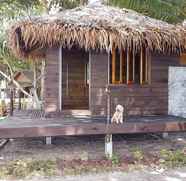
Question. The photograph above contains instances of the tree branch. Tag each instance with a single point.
(15, 83)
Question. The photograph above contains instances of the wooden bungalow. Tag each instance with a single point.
(96, 58)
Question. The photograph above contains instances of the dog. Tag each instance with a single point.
(118, 115)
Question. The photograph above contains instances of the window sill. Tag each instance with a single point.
(129, 85)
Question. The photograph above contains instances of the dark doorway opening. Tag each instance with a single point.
(75, 79)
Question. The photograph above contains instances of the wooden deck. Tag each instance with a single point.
(26, 126)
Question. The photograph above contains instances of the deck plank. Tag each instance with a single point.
(24, 126)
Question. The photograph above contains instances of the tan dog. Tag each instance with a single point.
(118, 115)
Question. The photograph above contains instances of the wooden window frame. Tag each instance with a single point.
(182, 60)
(125, 68)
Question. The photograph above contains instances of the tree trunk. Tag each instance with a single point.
(15, 83)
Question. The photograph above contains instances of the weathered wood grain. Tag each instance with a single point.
(22, 126)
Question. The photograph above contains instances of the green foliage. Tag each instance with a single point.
(167, 10)
(66, 4)
(11, 11)
(137, 154)
(115, 159)
(15, 8)
(172, 158)
(23, 168)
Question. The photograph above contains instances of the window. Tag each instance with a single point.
(183, 59)
(127, 67)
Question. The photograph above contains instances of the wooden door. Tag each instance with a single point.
(75, 79)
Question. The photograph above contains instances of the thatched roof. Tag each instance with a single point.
(95, 27)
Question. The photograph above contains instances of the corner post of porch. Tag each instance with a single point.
(48, 140)
(108, 137)
(165, 135)
(60, 77)
(108, 146)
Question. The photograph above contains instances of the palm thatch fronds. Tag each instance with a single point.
(97, 28)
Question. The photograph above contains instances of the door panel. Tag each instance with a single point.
(75, 84)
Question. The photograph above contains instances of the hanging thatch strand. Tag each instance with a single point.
(95, 27)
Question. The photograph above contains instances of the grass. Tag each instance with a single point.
(24, 168)
(137, 154)
(172, 159)
(138, 160)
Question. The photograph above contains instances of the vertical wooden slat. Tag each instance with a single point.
(128, 61)
(19, 100)
(108, 92)
(67, 81)
(60, 77)
(121, 66)
(141, 66)
(108, 74)
(146, 67)
(113, 64)
(133, 63)
(42, 80)
(90, 78)
(149, 67)
(11, 101)
(124, 67)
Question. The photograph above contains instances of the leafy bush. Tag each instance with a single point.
(23, 168)
(115, 159)
(137, 153)
(172, 158)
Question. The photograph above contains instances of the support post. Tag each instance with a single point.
(108, 137)
(165, 135)
(60, 77)
(11, 101)
(19, 100)
(108, 146)
(48, 140)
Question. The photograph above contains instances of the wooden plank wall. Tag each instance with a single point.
(98, 81)
(139, 100)
(51, 89)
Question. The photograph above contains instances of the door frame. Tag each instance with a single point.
(60, 96)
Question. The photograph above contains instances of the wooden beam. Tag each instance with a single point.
(67, 80)
(133, 63)
(113, 64)
(108, 68)
(60, 77)
(146, 67)
(11, 101)
(108, 91)
(48, 140)
(141, 66)
(128, 62)
(19, 100)
(149, 59)
(92, 129)
(90, 78)
(121, 66)
(108, 146)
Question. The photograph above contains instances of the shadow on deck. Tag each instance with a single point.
(23, 125)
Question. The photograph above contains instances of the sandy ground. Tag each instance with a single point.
(145, 175)
(92, 147)
(87, 147)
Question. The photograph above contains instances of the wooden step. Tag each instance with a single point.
(76, 112)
